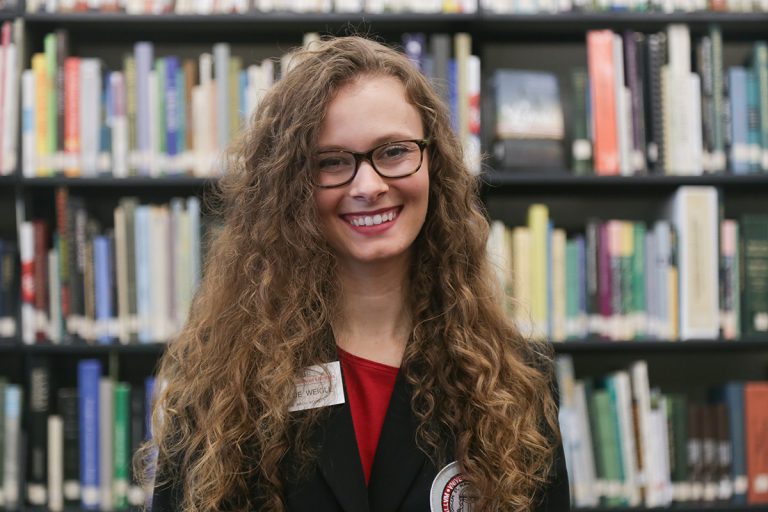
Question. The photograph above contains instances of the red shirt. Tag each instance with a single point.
(369, 388)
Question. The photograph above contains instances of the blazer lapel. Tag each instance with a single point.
(340, 460)
(398, 459)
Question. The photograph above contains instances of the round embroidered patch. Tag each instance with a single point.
(450, 491)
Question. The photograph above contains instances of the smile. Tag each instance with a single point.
(374, 219)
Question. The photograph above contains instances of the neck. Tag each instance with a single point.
(374, 322)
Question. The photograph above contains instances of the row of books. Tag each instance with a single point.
(629, 444)
(132, 282)
(9, 287)
(638, 6)
(157, 115)
(391, 6)
(78, 444)
(689, 275)
(642, 105)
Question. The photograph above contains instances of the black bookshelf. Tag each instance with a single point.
(185, 182)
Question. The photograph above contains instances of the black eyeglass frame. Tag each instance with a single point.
(368, 155)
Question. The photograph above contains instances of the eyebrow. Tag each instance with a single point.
(378, 141)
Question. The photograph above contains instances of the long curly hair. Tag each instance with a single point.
(270, 293)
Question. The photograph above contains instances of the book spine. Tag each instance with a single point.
(27, 256)
(39, 408)
(28, 127)
(600, 61)
(755, 423)
(88, 376)
(72, 116)
(739, 151)
(68, 406)
(103, 287)
(41, 278)
(12, 450)
(718, 158)
(122, 452)
(143, 57)
(106, 425)
(55, 463)
(754, 257)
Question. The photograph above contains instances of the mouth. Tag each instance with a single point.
(374, 218)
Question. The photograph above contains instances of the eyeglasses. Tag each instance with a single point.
(398, 159)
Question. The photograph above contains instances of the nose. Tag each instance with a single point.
(368, 185)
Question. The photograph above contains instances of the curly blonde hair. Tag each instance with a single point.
(270, 293)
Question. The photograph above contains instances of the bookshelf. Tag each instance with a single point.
(545, 42)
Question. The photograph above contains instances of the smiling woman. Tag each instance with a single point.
(347, 350)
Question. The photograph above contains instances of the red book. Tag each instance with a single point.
(756, 430)
(603, 94)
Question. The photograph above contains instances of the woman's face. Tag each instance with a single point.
(372, 219)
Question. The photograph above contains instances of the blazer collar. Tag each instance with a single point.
(397, 462)
(398, 459)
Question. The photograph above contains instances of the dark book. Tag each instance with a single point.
(529, 126)
(68, 410)
(633, 64)
(581, 139)
(440, 47)
(754, 264)
(655, 58)
(137, 437)
(39, 408)
(9, 287)
(62, 52)
(66, 260)
(41, 280)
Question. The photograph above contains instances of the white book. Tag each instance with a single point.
(221, 54)
(12, 449)
(695, 136)
(160, 266)
(252, 93)
(641, 394)
(184, 286)
(106, 429)
(90, 115)
(660, 476)
(193, 207)
(623, 103)
(27, 258)
(200, 127)
(119, 125)
(55, 463)
(28, 133)
(473, 150)
(694, 212)
(623, 389)
(662, 235)
(10, 110)
(585, 477)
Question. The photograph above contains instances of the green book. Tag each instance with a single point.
(129, 68)
(754, 272)
(639, 309)
(760, 65)
(49, 45)
(121, 439)
(607, 447)
(571, 289)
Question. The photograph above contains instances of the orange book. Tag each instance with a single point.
(602, 85)
(756, 431)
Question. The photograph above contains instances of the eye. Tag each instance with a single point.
(394, 151)
(333, 162)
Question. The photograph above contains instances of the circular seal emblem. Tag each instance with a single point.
(450, 491)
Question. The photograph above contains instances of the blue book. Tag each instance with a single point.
(242, 101)
(737, 92)
(753, 122)
(734, 401)
(172, 107)
(453, 95)
(414, 44)
(143, 285)
(88, 375)
(144, 57)
(103, 288)
(149, 395)
(12, 457)
(181, 101)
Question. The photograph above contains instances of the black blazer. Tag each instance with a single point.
(401, 476)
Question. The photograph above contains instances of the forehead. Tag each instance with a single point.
(368, 109)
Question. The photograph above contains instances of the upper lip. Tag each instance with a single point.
(372, 212)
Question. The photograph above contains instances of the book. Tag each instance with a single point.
(756, 426)
(88, 388)
(602, 71)
(754, 268)
(68, 409)
(55, 463)
(39, 408)
(529, 133)
(12, 452)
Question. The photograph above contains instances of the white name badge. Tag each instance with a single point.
(450, 491)
(318, 386)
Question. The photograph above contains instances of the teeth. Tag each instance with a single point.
(374, 220)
